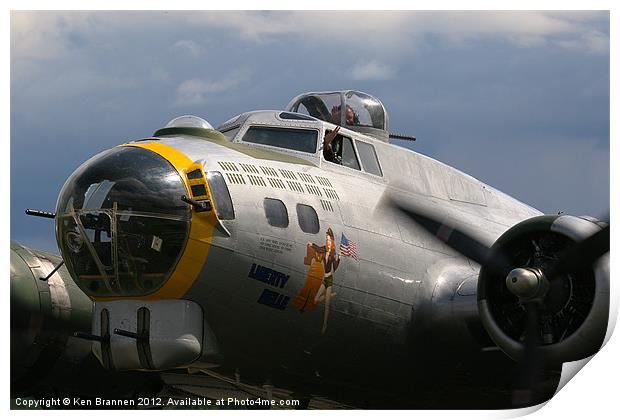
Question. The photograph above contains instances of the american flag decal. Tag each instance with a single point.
(348, 248)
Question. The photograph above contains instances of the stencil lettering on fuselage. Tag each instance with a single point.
(274, 245)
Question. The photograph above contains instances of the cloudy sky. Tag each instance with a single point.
(519, 100)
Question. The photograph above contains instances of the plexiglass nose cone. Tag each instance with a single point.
(121, 225)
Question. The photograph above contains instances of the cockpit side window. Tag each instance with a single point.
(349, 158)
(286, 138)
(342, 153)
(368, 156)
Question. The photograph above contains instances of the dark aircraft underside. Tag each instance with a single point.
(460, 387)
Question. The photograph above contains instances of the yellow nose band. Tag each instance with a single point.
(201, 230)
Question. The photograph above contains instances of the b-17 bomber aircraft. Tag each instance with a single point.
(298, 254)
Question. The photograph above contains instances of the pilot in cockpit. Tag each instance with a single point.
(351, 117)
(332, 144)
(332, 147)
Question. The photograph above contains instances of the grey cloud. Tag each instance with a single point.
(197, 91)
(592, 41)
(46, 35)
(475, 97)
(190, 47)
(393, 30)
(372, 70)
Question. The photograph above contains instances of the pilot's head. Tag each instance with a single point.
(350, 115)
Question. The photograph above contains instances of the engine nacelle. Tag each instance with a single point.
(44, 314)
(572, 317)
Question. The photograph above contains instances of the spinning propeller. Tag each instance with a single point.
(535, 285)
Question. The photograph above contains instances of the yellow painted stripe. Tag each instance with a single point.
(200, 234)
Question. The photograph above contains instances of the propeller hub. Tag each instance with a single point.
(525, 283)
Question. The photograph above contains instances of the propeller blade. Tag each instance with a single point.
(581, 255)
(463, 243)
(529, 368)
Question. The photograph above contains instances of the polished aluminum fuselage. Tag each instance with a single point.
(405, 288)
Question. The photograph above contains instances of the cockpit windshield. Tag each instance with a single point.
(286, 138)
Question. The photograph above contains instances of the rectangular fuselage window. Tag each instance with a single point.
(286, 138)
(307, 218)
(275, 212)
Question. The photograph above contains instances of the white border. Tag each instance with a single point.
(593, 392)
